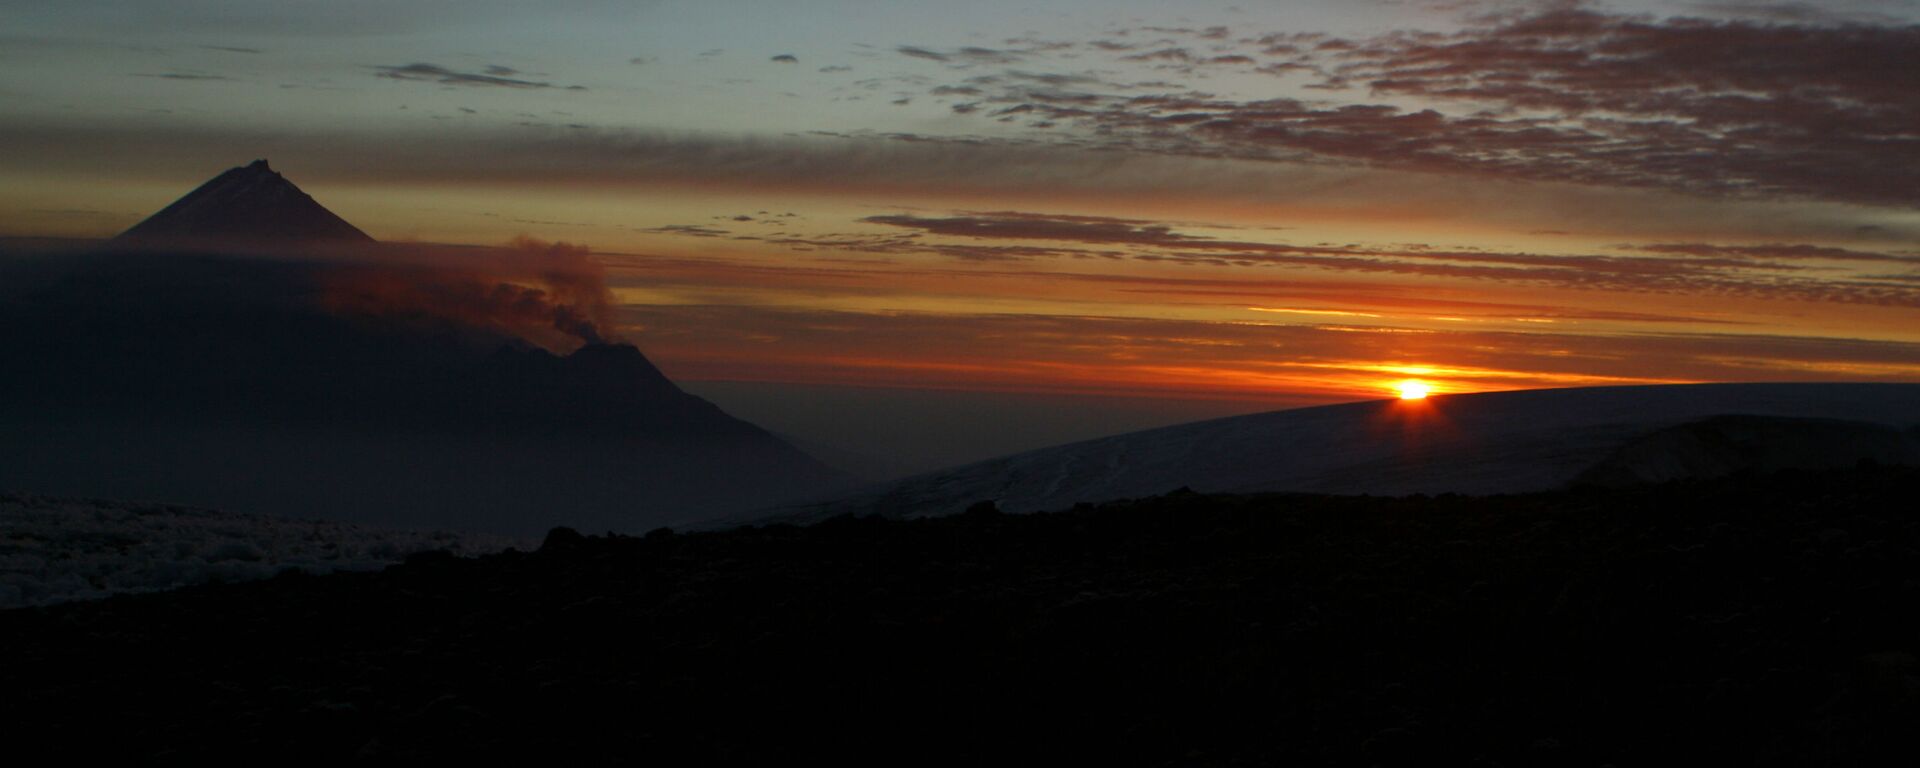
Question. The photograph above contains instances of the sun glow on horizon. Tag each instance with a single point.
(1413, 389)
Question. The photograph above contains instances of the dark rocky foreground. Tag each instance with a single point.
(1751, 620)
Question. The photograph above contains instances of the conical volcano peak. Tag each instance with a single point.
(249, 205)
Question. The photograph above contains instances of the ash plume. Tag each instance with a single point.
(551, 294)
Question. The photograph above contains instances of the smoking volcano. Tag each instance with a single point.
(246, 349)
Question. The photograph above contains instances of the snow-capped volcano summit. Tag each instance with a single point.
(252, 204)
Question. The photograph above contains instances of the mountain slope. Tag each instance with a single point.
(204, 393)
(385, 384)
(250, 204)
(1504, 442)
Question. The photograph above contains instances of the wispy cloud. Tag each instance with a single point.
(1242, 360)
(1790, 251)
(1794, 106)
(493, 76)
(1767, 271)
(189, 76)
(1030, 226)
(690, 230)
(926, 168)
(968, 55)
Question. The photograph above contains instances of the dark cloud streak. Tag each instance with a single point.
(1765, 271)
(1211, 359)
(438, 74)
(182, 76)
(1737, 108)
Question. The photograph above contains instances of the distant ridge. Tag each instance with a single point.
(1485, 443)
(249, 205)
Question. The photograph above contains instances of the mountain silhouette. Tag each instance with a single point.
(376, 383)
(1485, 443)
(252, 204)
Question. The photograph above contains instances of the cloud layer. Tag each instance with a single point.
(1754, 108)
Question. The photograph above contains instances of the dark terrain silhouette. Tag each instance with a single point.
(250, 204)
(279, 363)
(1733, 443)
(1479, 443)
(1757, 619)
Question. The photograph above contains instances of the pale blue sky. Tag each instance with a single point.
(706, 66)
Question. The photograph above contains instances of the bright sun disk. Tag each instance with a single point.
(1413, 389)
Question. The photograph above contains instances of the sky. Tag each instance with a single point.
(1232, 205)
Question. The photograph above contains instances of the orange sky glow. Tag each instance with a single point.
(1297, 216)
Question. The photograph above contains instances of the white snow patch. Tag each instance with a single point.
(54, 550)
(1501, 442)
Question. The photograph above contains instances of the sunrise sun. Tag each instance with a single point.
(1413, 389)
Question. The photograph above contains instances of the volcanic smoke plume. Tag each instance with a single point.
(248, 350)
(396, 384)
(550, 294)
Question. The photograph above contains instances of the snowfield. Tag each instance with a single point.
(1496, 442)
(55, 550)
